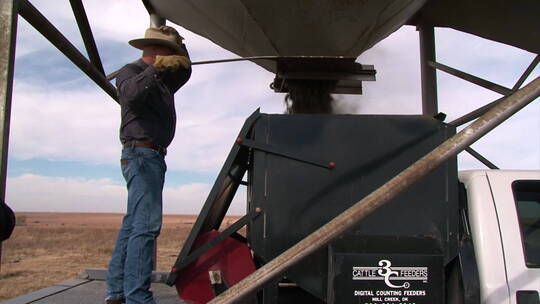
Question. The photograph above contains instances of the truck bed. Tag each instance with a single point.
(90, 289)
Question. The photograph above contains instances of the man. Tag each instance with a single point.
(146, 91)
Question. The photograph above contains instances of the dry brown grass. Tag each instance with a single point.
(47, 248)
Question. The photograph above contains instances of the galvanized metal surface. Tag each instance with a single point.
(100, 274)
(290, 27)
(87, 292)
(43, 293)
(250, 28)
(379, 197)
(428, 73)
(8, 32)
(39, 22)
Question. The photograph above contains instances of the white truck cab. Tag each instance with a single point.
(503, 212)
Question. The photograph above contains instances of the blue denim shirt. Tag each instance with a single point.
(147, 102)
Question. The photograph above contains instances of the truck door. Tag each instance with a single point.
(517, 200)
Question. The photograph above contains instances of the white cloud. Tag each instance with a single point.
(397, 88)
(484, 58)
(83, 125)
(118, 20)
(214, 104)
(59, 14)
(57, 194)
(515, 144)
(63, 125)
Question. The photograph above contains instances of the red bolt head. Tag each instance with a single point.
(332, 164)
(173, 270)
(239, 140)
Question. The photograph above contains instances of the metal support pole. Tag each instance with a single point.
(428, 74)
(481, 158)
(526, 74)
(382, 195)
(40, 23)
(86, 33)
(8, 33)
(480, 111)
(368, 71)
(156, 21)
(471, 78)
(475, 114)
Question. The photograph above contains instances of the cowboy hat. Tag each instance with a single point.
(164, 35)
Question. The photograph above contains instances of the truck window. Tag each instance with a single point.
(527, 197)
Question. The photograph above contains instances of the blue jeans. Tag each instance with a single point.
(130, 269)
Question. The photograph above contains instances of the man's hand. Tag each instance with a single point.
(171, 62)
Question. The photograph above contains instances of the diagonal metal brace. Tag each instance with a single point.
(86, 33)
(481, 158)
(480, 111)
(277, 151)
(471, 78)
(47, 29)
(212, 243)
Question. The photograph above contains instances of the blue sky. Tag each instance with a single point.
(64, 148)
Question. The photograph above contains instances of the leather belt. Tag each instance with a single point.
(145, 144)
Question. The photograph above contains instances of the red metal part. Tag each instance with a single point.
(231, 257)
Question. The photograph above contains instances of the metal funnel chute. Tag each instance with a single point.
(344, 27)
(290, 27)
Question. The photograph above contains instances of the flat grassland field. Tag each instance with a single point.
(48, 248)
